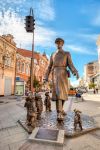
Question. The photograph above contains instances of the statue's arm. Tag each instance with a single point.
(71, 66)
(48, 69)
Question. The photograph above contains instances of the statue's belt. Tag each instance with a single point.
(59, 67)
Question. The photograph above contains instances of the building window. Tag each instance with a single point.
(18, 66)
(27, 69)
(35, 61)
(22, 68)
(7, 61)
(1, 57)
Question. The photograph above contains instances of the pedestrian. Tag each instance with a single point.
(94, 91)
(97, 90)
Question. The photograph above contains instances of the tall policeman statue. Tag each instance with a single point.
(59, 61)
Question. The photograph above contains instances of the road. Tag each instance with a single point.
(13, 136)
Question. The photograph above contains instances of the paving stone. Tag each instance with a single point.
(39, 146)
(16, 145)
(4, 133)
(14, 138)
(86, 142)
(15, 130)
(5, 147)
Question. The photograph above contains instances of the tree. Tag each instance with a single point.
(92, 85)
(36, 83)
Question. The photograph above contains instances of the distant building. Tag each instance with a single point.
(81, 82)
(90, 70)
(96, 78)
(98, 50)
(15, 65)
(7, 65)
(23, 64)
(22, 67)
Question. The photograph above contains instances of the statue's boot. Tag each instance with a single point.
(60, 117)
(64, 113)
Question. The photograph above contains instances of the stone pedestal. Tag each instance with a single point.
(49, 121)
(52, 136)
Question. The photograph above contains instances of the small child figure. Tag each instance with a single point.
(47, 102)
(77, 119)
(39, 105)
(31, 111)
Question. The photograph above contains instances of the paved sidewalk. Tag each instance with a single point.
(13, 136)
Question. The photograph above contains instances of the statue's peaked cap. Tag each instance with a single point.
(59, 39)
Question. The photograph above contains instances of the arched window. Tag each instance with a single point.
(18, 66)
(22, 68)
(26, 69)
(35, 61)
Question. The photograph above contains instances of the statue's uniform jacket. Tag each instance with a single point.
(59, 61)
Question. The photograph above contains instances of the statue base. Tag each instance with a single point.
(51, 136)
(29, 129)
(49, 121)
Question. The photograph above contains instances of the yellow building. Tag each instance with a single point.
(7, 64)
(98, 50)
(90, 70)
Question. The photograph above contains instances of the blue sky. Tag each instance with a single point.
(76, 21)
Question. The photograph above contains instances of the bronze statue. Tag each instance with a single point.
(77, 119)
(31, 111)
(47, 102)
(59, 61)
(39, 104)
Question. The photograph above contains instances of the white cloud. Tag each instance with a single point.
(46, 9)
(11, 21)
(74, 83)
(13, 24)
(92, 11)
(43, 9)
(80, 49)
(89, 37)
(96, 19)
(11, 1)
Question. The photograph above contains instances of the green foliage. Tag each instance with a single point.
(71, 87)
(92, 85)
(36, 83)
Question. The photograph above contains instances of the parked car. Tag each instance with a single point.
(72, 92)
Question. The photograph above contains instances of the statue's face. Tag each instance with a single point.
(59, 44)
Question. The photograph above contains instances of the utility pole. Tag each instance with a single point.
(30, 23)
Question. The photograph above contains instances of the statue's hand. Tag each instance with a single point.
(77, 75)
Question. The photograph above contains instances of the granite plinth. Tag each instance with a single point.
(29, 129)
(49, 121)
(48, 136)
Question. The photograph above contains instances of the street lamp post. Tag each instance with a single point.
(30, 22)
(32, 65)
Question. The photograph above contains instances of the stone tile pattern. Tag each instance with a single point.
(13, 136)
(49, 120)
